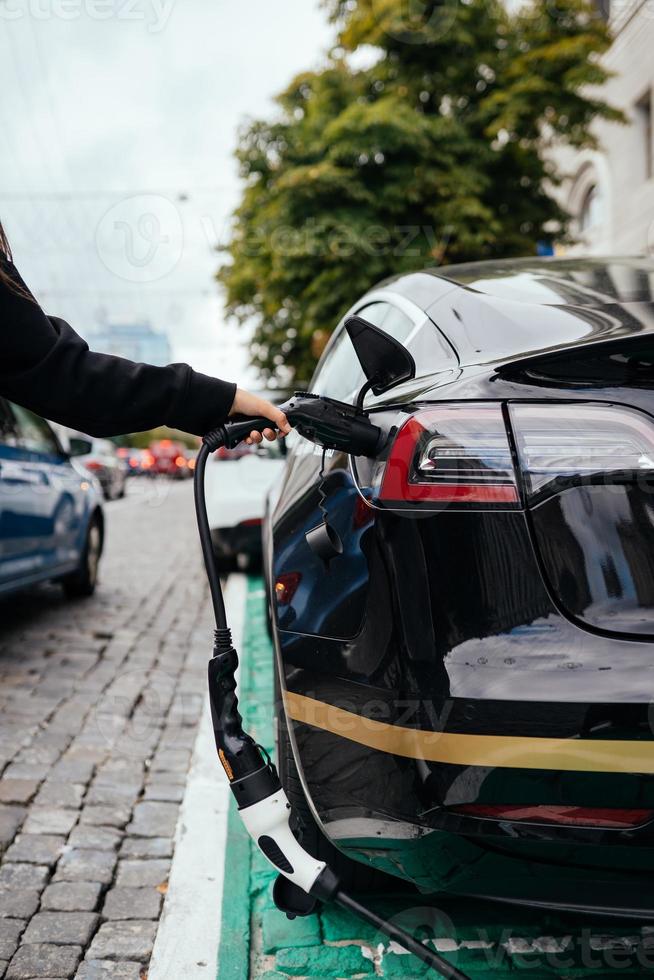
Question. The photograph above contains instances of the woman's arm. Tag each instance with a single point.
(47, 367)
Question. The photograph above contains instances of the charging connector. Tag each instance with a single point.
(262, 803)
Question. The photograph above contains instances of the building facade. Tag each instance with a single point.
(136, 341)
(610, 191)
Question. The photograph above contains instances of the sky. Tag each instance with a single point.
(118, 125)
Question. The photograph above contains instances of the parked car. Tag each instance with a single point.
(100, 457)
(465, 691)
(236, 489)
(170, 458)
(138, 462)
(51, 518)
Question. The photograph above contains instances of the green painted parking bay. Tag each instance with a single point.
(483, 939)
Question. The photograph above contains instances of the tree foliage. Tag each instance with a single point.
(435, 151)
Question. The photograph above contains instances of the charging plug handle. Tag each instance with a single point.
(324, 421)
(262, 803)
(333, 424)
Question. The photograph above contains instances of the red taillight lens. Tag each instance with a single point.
(565, 816)
(363, 514)
(286, 587)
(252, 522)
(93, 465)
(575, 443)
(451, 455)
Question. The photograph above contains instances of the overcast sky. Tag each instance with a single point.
(111, 110)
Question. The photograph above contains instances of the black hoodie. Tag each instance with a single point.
(46, 367)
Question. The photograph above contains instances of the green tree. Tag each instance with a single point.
(435, 152)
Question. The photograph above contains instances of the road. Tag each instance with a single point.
(99, 705)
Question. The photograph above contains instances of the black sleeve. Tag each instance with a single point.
(46, 367)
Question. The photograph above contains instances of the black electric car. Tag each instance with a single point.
(466, 664)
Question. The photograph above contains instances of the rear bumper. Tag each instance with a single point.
(553, 877)
(380, 808)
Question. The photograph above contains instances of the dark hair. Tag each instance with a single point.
(5, 278)
(5, 248)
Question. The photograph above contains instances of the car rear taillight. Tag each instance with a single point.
(455, 456)
(93, 465)
(574, 444)
(564, 816)
(286, 587)
(251, 522)
(363, 514)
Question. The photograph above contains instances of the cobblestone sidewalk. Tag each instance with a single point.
(99, 703)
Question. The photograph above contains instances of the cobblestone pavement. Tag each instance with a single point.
(99, 703)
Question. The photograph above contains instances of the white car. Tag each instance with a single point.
(97, 458)
(236, 486)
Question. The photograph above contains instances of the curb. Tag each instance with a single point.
(190, 927)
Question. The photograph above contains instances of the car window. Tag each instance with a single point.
(34, 433)
(340, 373)
(396, 323)
(375, 313)
(79, 446)
(389, 319)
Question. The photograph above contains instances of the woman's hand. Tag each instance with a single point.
(246, 404)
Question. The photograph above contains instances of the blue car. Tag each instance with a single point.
(51, 517)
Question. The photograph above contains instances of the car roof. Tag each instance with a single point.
(590, 281)
(480, 306)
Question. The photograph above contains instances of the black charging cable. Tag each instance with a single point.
(252, 776)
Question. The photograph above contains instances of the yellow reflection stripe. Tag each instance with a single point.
(506, 751)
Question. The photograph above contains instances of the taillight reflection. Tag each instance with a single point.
(564, 816)
(286, 587)
(560, 444)
(363, 514)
